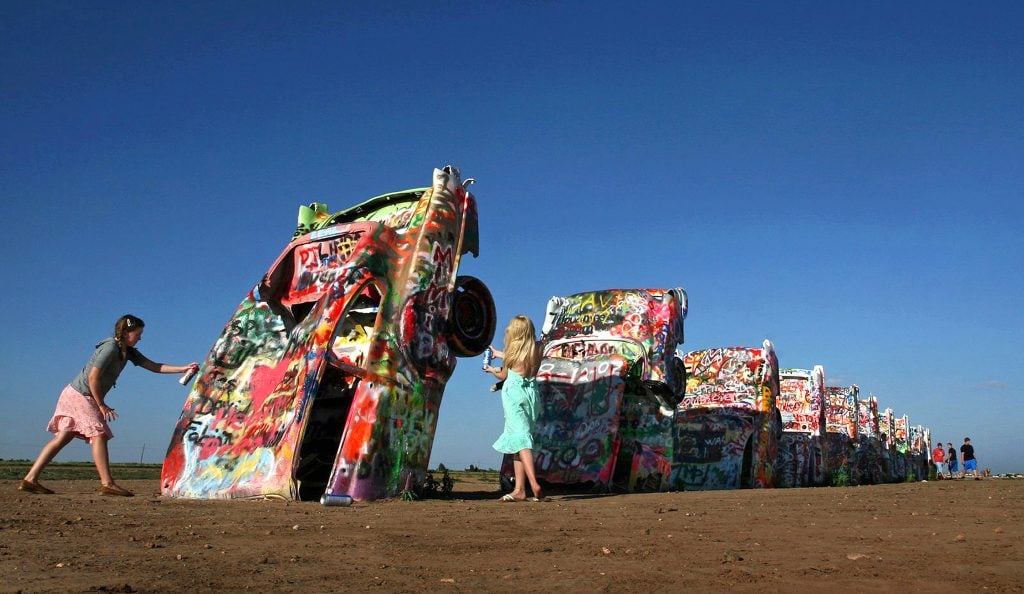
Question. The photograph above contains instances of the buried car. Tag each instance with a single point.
(727, 426)
(329, 376)
(841, 429)
(901, 447)
(869, 461)
(801, 461)
(607, 382)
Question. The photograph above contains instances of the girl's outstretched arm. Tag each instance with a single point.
(165, 368)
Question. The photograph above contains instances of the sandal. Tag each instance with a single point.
(34, 487)
(508, 498)
(115, 490)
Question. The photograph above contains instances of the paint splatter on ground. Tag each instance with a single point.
(938, 536)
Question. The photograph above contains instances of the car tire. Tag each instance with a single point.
(473, 320)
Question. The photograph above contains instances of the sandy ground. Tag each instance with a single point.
(924, 537)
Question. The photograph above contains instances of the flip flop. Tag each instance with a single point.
(115, 491)
(36, 488)
(508, 498)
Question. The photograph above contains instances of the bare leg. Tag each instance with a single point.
(519, 491)
(102, 459)
(50, 450)
(526, 455)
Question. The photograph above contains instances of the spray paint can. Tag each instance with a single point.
(488, 357)
(332, 500)
(187, 377)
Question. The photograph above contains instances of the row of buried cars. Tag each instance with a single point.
(329, 376)
(623, 409)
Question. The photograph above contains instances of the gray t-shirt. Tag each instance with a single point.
(106, 358)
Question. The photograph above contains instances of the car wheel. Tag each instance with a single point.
(471, 328)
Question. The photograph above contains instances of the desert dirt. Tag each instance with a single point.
(925, 537)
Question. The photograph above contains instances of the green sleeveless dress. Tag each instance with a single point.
(519, 401)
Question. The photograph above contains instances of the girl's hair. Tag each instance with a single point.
(126, 324)
(521, 346)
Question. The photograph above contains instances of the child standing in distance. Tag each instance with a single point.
(518, 371)
(82, 411)
(953, 467)
(939, 459)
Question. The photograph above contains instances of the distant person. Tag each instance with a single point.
(953, 466)
(967, 453)
(518, 371)
(82, 410)
(939, 458)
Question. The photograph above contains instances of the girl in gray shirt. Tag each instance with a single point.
(82, 410)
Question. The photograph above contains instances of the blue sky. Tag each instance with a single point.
(843, 179)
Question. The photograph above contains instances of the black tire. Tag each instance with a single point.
(678, 382)
(471, 328)
(506, 483)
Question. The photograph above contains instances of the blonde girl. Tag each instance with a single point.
(518, 371)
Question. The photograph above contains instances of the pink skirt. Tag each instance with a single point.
(78, 414)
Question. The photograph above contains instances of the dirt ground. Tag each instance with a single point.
(925, 537)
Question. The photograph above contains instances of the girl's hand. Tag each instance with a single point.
(193, 366)
(108, 413)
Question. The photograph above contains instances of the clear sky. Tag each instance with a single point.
(843, 178)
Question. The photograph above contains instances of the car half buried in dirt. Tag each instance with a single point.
(801, 461)
(841, 432)
(607, 383)
(868, 461)
(329, 376)
(727, 426)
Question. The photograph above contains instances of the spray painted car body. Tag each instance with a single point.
(869, 464)
(917, 457)
(801, 461)
(925, 436)
(329, 376)
(901, 447)
(841, 428)
(607, 382)
(887, 426)
(727, 426)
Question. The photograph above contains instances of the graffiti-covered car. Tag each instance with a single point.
(869, 463)
(801, 461)
(329, 376)
(727, 426)
(841, 428)
(901, 448)
(918, 458)
(607, 383)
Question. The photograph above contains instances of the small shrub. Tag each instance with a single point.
(840, 478)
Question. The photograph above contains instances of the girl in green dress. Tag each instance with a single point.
(518, 371)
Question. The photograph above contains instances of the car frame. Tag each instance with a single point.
(841, 429)
(801, 461)
(328, 378)
(727, 426)
(607, 382)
